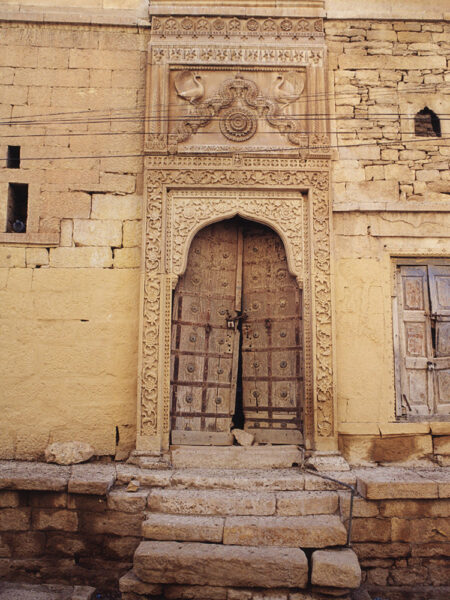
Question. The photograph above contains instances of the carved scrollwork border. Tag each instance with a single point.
(159, 245)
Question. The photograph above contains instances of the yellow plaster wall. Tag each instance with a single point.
(68, 355)
(69, 287)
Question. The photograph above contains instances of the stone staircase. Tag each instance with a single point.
(222, 534)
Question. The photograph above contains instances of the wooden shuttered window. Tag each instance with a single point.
(422, 340)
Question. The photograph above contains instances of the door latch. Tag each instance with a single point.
(231, 321)
(430, 365)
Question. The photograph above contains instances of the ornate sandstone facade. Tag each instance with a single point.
(139, 126)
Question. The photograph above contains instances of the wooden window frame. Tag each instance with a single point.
(398, 262)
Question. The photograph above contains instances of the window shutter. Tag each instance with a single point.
(439, 280)
(416, 350)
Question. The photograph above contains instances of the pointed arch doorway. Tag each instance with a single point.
(237, 339)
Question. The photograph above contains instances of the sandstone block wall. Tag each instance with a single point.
(69, 286)
(79, 524)
(391, 197)
(60, 537)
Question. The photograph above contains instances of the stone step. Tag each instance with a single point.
(236, 457)
(317, 531)
(240, 502)
(211, 502)
(240, 479)
(220, 565)
(305, 532)
(183, 528)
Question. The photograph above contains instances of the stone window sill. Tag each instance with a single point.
(30, 239)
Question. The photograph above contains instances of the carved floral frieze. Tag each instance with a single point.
(180, 53)
(232, 27)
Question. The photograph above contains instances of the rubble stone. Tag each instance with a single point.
(242, 437)
(68, 453)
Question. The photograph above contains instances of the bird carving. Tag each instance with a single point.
(189, 86)
(288, 88)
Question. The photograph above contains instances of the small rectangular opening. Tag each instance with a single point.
(13, 157)
(17, 208)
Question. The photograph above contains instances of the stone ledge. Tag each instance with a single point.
(391, 483)
(30, 239)
(392, 206)
(92, 478)
(282, 8)
(376, 483)
(18, 475)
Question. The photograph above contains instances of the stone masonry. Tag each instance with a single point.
(80, 524)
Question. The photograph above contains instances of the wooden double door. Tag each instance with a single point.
(237, 339)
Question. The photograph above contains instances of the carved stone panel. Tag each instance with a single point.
(221, 84)
(235, 125)
(295, 203)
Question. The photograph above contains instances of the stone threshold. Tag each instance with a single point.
(95, 478)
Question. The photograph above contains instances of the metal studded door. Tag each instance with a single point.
(272, 335)
(205, 341)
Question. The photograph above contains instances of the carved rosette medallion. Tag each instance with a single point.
(238, 124)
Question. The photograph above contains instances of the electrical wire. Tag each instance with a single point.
(135, 133)
(244, 151)
(20, 119)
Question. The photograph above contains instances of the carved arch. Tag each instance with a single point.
(169, 223)
(244, 214)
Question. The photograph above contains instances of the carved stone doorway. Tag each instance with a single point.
(237, 339)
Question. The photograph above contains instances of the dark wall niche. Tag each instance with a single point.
(13, 157)
(427, 123)
(17, 211)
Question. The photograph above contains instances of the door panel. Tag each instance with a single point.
(415, 340)
(439, 277)
(234, 266)
(271, 340)
(204, 367)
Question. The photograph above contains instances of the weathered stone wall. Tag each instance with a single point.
(402, 542)
(391, 195)
(79, 533)
(80, 524)
(69, 286)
